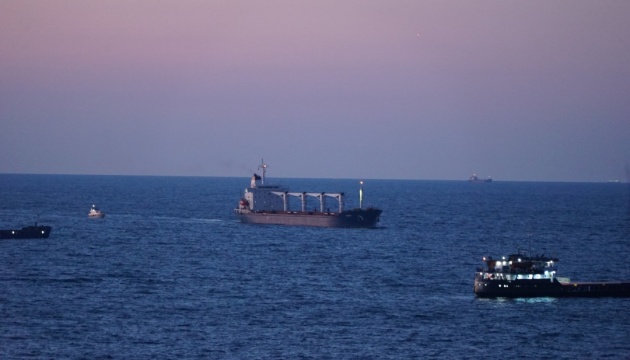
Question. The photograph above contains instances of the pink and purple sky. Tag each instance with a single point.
(516, 90)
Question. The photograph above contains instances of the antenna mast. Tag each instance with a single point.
(263, 166)
(361, 194)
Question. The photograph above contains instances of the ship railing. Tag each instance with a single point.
(303, 199)
(330, 213)
(491, 275)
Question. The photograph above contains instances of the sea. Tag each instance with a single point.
(170, 273)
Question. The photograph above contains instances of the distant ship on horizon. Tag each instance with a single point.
(475, 179)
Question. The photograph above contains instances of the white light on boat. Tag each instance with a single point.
(519, 259)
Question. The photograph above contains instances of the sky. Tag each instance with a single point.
(428, 90)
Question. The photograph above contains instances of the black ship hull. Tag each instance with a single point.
(357, 218)
(29, 232)
(528, 288)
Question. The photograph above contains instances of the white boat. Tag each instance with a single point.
(96, 213)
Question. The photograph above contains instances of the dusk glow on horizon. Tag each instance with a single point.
(531, 91)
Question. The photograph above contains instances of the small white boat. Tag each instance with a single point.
(96, 213)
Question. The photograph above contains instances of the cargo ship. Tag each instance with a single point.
(269, 204)
(520, 275)
(475, 179)
(28, 232)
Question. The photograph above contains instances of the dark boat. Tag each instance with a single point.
(269, 204)
(475, 179)
(521, 275)
(28, 232)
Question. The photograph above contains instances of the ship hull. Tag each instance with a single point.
(348, 219)
(546, 288)
(29, 232)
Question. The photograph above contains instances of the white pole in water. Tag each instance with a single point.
(361, 194)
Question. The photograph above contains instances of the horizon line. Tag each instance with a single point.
(612, 181)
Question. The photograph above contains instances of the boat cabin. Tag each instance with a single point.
(519, 267)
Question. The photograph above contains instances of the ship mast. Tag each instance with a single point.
(361, 194)
(263, 166)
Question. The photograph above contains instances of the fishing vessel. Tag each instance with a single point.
(95, 213)
(27, 232)
(269, 204)
(521, 275)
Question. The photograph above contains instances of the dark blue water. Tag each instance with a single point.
(169, 273)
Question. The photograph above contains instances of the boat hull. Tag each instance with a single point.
(546, 288)
(357, 218)
(29, 232)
